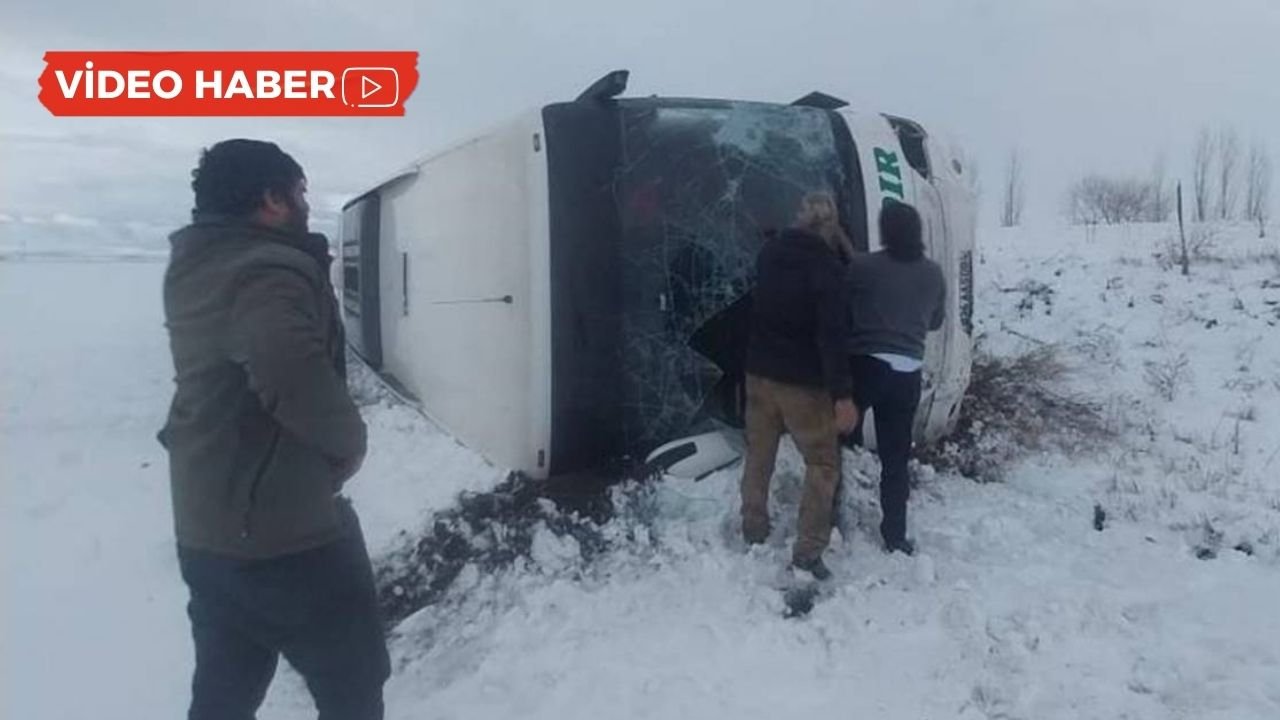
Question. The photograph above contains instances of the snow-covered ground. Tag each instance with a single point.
(1016, 607)
(92, 607)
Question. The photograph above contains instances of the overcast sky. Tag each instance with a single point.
(1077, 85)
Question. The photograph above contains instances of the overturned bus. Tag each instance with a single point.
(574, 287)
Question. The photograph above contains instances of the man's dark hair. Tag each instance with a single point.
(900, 232)
(233, 175)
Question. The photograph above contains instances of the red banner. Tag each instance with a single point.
(158, 84)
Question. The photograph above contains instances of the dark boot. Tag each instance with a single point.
(902, 545)
(813, 566)
(755, 533)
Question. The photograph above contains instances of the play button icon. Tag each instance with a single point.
(377, 87)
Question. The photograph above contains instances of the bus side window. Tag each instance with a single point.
(911, 136)
(351, 278)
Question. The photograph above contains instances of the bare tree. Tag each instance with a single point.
(1200, 162)
(1084, 206)
(1097, 199)
(1184, 260)
(1228, 161)
(1014, 199)
(1258, 187)
(1159, 207)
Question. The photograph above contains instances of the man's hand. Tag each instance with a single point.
(846, 416)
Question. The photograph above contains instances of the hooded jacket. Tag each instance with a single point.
(261, 422)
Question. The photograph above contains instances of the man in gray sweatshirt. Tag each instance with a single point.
(896, 297)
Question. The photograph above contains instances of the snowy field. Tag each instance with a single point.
(1016, 606)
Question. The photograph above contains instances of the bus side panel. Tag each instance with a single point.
(457, 292)
(948, 212)
(960, 212)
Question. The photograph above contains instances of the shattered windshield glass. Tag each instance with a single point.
(697, 187)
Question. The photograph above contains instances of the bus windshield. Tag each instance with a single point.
(698, 187)
(658, 209)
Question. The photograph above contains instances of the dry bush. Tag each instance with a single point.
(1098, 199)
(1202, 242)
(494, 531)
(1100, 346)
(1033, 292)
(1010, 409)
(1264, 257)
(1166, 377)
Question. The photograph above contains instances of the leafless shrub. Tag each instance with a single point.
(1243, 384)
(1098, 199)
(1166, 377)
(1101, 347)
(1228, 159)
(1264, 257)
(1257, 201)
(1169, 256)
(1202, 242)
(1032, 291)
(1012, 408)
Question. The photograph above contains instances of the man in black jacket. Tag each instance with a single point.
(798, 375)
(261, 435)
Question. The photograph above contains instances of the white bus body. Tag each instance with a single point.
(573, 287)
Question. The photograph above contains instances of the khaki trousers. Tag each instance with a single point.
(808, 414)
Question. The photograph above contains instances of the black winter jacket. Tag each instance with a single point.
(799, 317)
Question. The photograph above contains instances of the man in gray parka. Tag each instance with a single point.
(262, 434)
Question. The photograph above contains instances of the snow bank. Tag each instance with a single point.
(1015, 607)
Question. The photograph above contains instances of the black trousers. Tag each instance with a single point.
(318, 608)
(893, 396)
